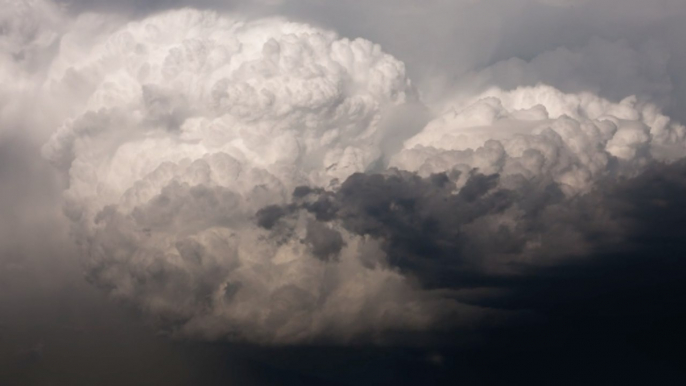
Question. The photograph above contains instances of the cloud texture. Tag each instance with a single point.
(572, 139)
(255, 179)
(191, 123)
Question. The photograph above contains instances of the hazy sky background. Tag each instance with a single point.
(614, 312)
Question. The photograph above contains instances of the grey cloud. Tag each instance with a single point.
(609, 283)
(269, 215)
(470, 237)
(326, 243)
(420, 220)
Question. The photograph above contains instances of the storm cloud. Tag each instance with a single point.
(434, 189)
(486, 231)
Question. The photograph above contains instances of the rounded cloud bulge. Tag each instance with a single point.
(542, 132)
(188, 123)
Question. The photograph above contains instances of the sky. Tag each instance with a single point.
(309, 192)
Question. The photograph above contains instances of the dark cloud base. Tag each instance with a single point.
(612, 316)
(593, 333)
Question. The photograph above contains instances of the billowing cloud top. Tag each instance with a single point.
(573, 139)
(190, 123)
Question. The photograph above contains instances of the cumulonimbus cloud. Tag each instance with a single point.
(216, 176)
(193, 122)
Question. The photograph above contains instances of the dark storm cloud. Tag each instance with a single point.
(326, 243)
(612, 312)
(450, 239)
(616, 312)
(423, 223)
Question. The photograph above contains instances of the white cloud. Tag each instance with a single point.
(191, 122)
(573, 139)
